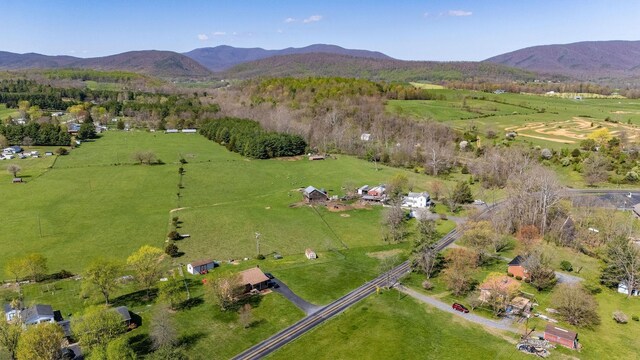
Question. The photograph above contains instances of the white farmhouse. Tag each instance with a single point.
(417, 200)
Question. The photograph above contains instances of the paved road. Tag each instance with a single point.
(504, 324)
(304, 305)
(296, 330)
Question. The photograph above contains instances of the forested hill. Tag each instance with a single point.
(589, 60)
(151, 62)
(223, 57)
(330, 65)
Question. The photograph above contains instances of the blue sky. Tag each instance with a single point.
(411, 30)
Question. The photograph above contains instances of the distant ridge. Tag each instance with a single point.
(151, 62)
(324, 64)
(224, 57)
(586, 60)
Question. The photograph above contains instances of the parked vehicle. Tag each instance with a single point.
(460, 307)
(269, 275)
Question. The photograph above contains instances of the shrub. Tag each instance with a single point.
(174, 235)
(566, 266)
(620, 317)
(593, 288)
(171, 249)
(62, 151)
(635, 318)
(518, 277)
(260, 257)
(427, 285)
(509, 274)
(527, 280)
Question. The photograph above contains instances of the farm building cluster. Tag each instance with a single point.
(371, 194)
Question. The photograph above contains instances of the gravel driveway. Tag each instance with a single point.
(504, 324)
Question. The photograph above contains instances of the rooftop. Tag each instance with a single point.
(518, 260)
(253, 276)
(561, 333)
(201, 262)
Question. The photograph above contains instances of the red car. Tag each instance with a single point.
(460, 307)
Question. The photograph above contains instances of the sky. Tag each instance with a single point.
(404, 29)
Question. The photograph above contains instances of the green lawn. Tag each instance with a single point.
(4, 112)
(390, 326)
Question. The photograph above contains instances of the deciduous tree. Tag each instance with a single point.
(225, 290)
(97, 327)
(575, 305)
(458, 273)
(103, 274)
(623, 264)
(540, 273)
(146, 263)
(499, 290)
(14, 169)
(163, 331)
(41, 342)
(35, 266)
(394, 223)
(9, 335)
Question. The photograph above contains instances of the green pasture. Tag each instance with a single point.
(96, 200)
(394, 326)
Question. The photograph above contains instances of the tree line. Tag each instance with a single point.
(35, 133)
(247, 138)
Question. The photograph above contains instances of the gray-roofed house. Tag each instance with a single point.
(311, 194)
(37, 314)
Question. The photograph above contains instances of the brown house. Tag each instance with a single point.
(561, 336)
(311, 194)
(254, 279)
(516, 268)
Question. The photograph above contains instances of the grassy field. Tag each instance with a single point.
(4, 112)
(549, 121)
(95, 200)
(389, 326)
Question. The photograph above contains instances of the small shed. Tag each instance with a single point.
(311, 194)
(363, 190)
(189, 131)
(254, 279)
(561, 336)
(124, 313)
(516, 269)
(17, 180)
(310, 254)
(519, 305)
(200, 266)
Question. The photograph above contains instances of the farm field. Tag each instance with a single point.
(96, 200)
(389, 326)
(548, 121)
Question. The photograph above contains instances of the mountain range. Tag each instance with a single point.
(592, 60)
(589, 60)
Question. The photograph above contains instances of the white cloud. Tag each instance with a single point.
(425, 14)
(459, 13)
(290, 20)
(312, 18)
(203, 37)
(219, 33)
(279, 31)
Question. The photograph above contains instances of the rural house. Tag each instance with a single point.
(37, 314)
(254, 279)
(310, 254)
(10, 313)
(417, 200)
(504, 283)
(376, 193)
(561, 336)
(516, 269)
(519, 306)
(200, 266)
(311, 194)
